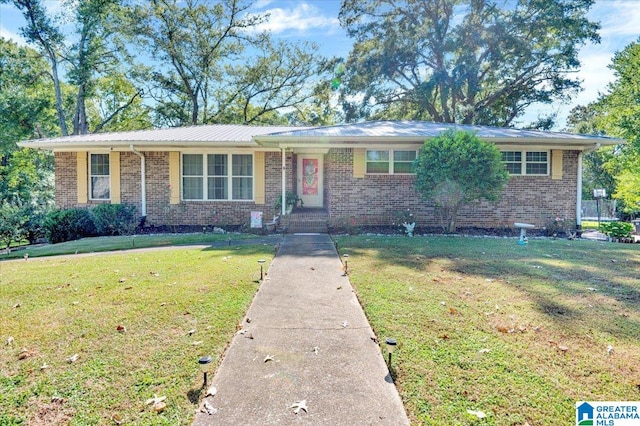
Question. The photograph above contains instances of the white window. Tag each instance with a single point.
(534, 163)
(390, 162)
(99, 179)
(227, 177)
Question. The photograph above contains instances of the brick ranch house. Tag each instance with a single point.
(353, 173)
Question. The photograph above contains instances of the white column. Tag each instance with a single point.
(579, 192)
(143, 181)
(284, 182)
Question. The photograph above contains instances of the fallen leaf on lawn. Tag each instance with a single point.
(609, 349)
(484, 351)
(443, 303)
(24, 354)
(563, 348)
(268, 358)
(208, 408)
(479, 414)
(489, 280)
(155, 274)
(117, 419)
(73, 358)
(522, 329)
(537, 329)
(17, 305)
(212, 391)
(301, 405)
(9, 340)
(453, 311)
(44, 367)
(503, 329)
(197, 343)
(128, 288)
(57, 400)
(159, 407)
(592, 289)
(122, 280)
(155, 400)
(121, 329)
(190, 332)
(443, 336)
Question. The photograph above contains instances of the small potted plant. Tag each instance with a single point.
(291, 201)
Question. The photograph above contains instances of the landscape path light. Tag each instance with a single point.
(205, 364)
(346, 263)
(261, 262)
(391, 346)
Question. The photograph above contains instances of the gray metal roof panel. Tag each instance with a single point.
(420, 129)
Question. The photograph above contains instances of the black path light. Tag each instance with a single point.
(205, 364)
(261, 262)
(346, 263)
(391, 346)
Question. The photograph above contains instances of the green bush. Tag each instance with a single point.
(617, 229)
(115, 219)
(68, 224)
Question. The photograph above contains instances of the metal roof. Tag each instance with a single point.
(343, 135)
(217, 134)
(420, 129)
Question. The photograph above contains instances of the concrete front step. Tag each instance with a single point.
(312, 221)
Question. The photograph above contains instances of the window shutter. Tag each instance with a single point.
(174, 177)
(114, 173)
(556, 164)
(82, 178)
(259, 178)
(359, 162)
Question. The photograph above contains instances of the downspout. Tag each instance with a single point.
(579, 187)
(284, 181)
(143, 181)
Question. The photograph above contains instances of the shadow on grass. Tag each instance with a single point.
(194, 395)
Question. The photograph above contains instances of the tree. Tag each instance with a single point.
(93, 54)
(213, 66)
(457, 167)
(616, 113)
(461, 61)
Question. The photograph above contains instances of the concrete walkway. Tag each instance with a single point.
(305, 338)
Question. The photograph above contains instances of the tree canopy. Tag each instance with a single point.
(462, 61)
(457, 167)
(616, 113)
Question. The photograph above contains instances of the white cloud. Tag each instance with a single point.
(301, 18)
(10, 35)
(618, 18)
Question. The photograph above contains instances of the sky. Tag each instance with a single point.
(317, 20)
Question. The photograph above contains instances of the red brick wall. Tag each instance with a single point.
(375, 199)
(372, 200)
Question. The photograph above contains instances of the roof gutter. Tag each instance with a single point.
(579, 185)
(143, 180)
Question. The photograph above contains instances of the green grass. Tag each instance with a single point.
(100, 244)
(514, 331)
(57, 307)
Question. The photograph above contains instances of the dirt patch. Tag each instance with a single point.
(54, 412)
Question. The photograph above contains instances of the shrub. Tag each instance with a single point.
(115, 219)
(68, 225)
(617, 229)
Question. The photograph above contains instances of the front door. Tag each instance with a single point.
(310, 178)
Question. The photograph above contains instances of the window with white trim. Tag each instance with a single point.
(532, 163)
(227, 177)
(390, 162)
(100, 180)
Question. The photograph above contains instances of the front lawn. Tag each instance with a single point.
(519, 333)
(137, 321)
(127, 242)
